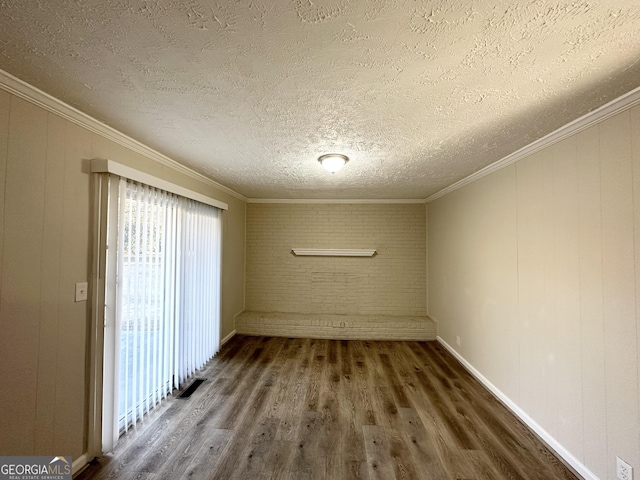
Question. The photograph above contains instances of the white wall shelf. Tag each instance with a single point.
(334, 252)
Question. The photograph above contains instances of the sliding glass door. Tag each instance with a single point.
(162, 312)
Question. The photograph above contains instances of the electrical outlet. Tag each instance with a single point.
(457, 340)
(624, 471)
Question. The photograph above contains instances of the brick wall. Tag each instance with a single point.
(393, 282)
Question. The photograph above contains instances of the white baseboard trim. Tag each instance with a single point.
(79, 463)
(577, 465)
(228, 337)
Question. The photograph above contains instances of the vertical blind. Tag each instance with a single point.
(167, 291)
(200, 287)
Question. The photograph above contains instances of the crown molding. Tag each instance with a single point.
(620, 104)
(42, 99)
(377, 201)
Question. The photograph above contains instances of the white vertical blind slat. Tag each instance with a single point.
(177, 324)
(204, 283)
(188, 304)
(129, 325)
(136, 293)
(166, 296)
(198, 300)
(144, 321)
(119, 396)
(139, 302)
(172, 326)
(169, 293)
(157, 232)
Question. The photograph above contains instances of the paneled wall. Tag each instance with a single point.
(536, 268)
(391, 283)
(45, 248)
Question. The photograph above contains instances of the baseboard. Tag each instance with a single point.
(79, 463)
(562, 452)
(228, 337)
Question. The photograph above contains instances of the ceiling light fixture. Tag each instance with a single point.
(333, 161)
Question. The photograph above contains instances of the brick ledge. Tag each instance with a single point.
(339, 327)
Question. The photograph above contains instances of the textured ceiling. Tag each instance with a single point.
(418, 93)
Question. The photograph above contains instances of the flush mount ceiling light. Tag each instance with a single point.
(333, 161)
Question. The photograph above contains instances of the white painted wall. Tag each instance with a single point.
(536, 268)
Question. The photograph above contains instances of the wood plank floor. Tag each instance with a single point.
(277, 408)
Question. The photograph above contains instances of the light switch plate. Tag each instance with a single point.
(81, 291)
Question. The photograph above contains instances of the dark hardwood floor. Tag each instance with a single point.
(276, 408)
